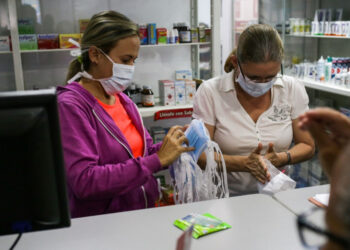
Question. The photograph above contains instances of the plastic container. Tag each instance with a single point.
(320, 69)
(328, 69)
(147, 96)
(184, 33)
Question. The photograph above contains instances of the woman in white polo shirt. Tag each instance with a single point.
(252, 111)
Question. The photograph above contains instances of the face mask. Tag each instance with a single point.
(253, 88)
(118, 82)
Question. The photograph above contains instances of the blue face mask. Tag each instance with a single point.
(253, 88)
(197, 137)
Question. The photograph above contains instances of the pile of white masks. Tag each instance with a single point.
(190, 182)
(278, 181)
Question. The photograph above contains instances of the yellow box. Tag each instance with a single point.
(65, 44)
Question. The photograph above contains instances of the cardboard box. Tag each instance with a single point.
(48, 41)
(65, 44)
(28, 42)
(167, 92)
(152, 33)
(4, 43)
(26, 26)
(83, 24)
(162, 36)
(183, 75)
(180, 93)
(190, 91)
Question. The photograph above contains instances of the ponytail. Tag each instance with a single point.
(228, 64)
(74, 67)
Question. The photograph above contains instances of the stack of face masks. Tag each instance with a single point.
(190, 182)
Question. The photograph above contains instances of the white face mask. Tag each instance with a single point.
(118, 82)
(253, 88)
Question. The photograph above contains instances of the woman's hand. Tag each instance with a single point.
(256, 165)
(277, 159)
(172, 146)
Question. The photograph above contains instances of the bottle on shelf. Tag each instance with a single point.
(328, 69)
(320, 69)
(147, 96)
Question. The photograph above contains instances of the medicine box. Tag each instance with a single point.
(48, 41)
(162, 36)
(83, 23)
(158, 134)
(26, 26)
(65, 44)
(183, 75)
(152, 33)
(4, 43)
(167, 92)
(28, 42)
(190, 91)
(180, 93)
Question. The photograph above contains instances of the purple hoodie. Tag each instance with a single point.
(102, 174)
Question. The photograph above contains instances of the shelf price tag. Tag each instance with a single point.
(173, 113)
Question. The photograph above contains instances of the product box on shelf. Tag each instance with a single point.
(65, 44)
(180, 93)
(152, 33)
(83, 24)
(26, 26)
(190, 91)
(143, 34)
(48, 41)
(167, 92)
(158, 134)
(162, 36)
(194, 35)
(28, 42)
(183, 75)
(4, 43)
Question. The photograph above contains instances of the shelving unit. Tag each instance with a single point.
(148, 112)
(316, 36)
(326, 87)
(142, 46)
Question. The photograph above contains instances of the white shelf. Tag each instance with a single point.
(5, 52)
(320, 36)
(326, 87)
(148, 112)
(142, 46)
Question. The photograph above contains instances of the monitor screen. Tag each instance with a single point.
(32, 177)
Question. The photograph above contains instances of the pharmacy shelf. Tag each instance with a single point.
(5, 52)
(142, 46)
(326, 87)
(320, 36)
(150, 111)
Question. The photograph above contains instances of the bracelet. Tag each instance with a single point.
(289, 158)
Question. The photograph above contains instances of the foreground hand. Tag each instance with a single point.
(256, 165)
(172, 146)
(331, 131)
(277, 159)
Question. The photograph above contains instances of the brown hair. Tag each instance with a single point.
(104, 30)
(258, 43)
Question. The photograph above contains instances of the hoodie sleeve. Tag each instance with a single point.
(86, 178)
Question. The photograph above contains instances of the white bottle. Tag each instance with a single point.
(320, 69)
(347, 80)
(176, 35)
(328, 70)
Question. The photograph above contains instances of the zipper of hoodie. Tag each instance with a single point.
(126, 148)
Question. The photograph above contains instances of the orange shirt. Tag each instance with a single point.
(124, 123)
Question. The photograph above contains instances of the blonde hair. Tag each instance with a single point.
(258, 43)
(104, 30)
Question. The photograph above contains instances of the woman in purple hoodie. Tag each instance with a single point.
(109, 155)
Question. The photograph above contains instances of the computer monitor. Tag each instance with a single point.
(32, 178)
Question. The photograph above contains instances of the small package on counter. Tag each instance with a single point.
(28, 42)
(167, 92)
(180, 93)
(162, 36)
(4, 43)
(202, 224)
(183, 74)
(190, 91)
(48, 41)
(65, 44)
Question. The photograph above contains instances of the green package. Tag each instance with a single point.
(203, 224)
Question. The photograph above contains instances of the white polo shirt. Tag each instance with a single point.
(236, 133)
